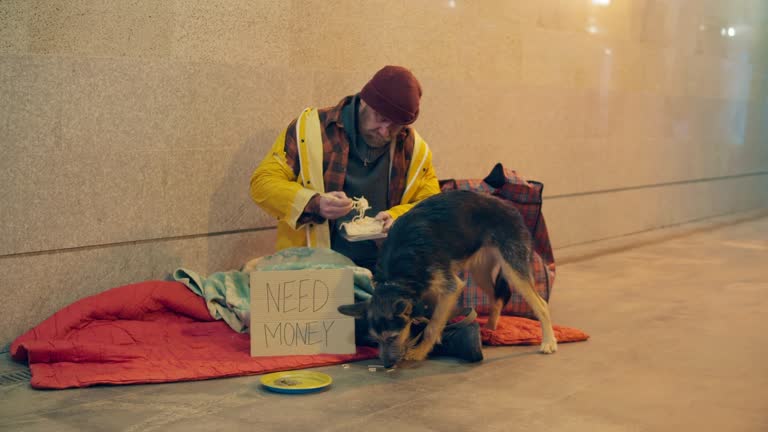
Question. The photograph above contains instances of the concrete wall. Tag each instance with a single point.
(128, 129)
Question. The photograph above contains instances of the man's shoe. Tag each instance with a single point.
(462, 341)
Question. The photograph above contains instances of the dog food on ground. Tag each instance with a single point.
(374, 368)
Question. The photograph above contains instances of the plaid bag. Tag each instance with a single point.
(525, 195)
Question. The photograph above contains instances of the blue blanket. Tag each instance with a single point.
(227, 294)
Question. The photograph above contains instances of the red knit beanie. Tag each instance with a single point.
(394, 93)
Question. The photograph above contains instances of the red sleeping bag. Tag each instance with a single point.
(147, 332)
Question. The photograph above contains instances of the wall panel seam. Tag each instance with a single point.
(134, 242)
(655, 185)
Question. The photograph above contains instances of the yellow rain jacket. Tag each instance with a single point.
(292, 173)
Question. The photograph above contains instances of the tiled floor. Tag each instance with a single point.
(678, 344)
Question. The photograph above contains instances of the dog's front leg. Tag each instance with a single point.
(434, 329)
(446, 302)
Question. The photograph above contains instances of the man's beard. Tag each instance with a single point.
(375, 140)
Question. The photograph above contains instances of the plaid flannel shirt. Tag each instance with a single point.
(336, 153)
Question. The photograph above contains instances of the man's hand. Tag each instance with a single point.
(386, 218)
(333, 205)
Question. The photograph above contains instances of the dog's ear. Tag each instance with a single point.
(356, 310)
(403, 307)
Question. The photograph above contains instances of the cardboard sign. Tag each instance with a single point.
(294, 312)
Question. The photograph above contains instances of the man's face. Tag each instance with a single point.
(377, 130)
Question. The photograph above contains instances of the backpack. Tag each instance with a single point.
(526, 196)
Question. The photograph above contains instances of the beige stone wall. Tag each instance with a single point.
(128, 129)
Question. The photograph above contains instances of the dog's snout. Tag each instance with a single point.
(390, 362)
(390, 354)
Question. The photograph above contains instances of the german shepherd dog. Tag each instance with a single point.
(419, 261)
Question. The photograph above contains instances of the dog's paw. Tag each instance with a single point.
(416, 354)
(548, 347)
